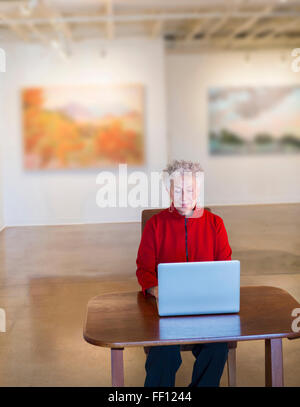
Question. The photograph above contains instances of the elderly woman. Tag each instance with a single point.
(182, 232)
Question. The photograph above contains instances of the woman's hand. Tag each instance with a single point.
(153, 291)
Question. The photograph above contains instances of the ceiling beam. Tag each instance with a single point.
(232, 7)
(279, 29)
(195, 29)
(214, 27)
(55, 44)
(14, 27)
(250, 22)
(110, 25)
(207, 49)
(157, 29)
(274, 30)
(251, 17)
(196, 45)
(52, 13)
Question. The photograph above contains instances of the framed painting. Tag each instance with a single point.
(83, 126)
(254, 120)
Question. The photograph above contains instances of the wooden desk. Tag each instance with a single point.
(129, 319)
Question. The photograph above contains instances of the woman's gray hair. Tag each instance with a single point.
(182, 166)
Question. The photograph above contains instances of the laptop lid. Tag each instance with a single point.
(192, 288)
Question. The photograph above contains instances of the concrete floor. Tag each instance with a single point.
(48, 274)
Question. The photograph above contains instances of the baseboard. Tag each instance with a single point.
(255, 203)
(74, 222)
(69, 223)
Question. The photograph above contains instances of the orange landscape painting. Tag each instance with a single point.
(83, 126)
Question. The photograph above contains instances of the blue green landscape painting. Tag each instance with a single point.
(254, 120)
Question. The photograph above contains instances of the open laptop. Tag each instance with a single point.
(193, 288)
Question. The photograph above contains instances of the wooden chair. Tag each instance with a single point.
(231, 360)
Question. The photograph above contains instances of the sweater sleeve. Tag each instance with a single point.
(223, 251)
(146, 258)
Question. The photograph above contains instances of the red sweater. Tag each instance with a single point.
(169, 237)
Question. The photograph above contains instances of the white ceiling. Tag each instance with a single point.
(186, 25)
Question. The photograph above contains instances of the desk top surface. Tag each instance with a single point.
(129, 319)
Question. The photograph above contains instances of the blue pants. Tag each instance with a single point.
(163, 362)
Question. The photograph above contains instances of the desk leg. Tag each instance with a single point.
(273, 363)
(117, 367)
(231, 364)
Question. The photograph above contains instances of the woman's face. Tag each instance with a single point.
(183, 192)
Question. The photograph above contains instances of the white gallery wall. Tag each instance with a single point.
(69, 196)
(2, 223)
(176, 126)
(235, 179)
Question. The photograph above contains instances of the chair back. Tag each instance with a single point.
(148, 213)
